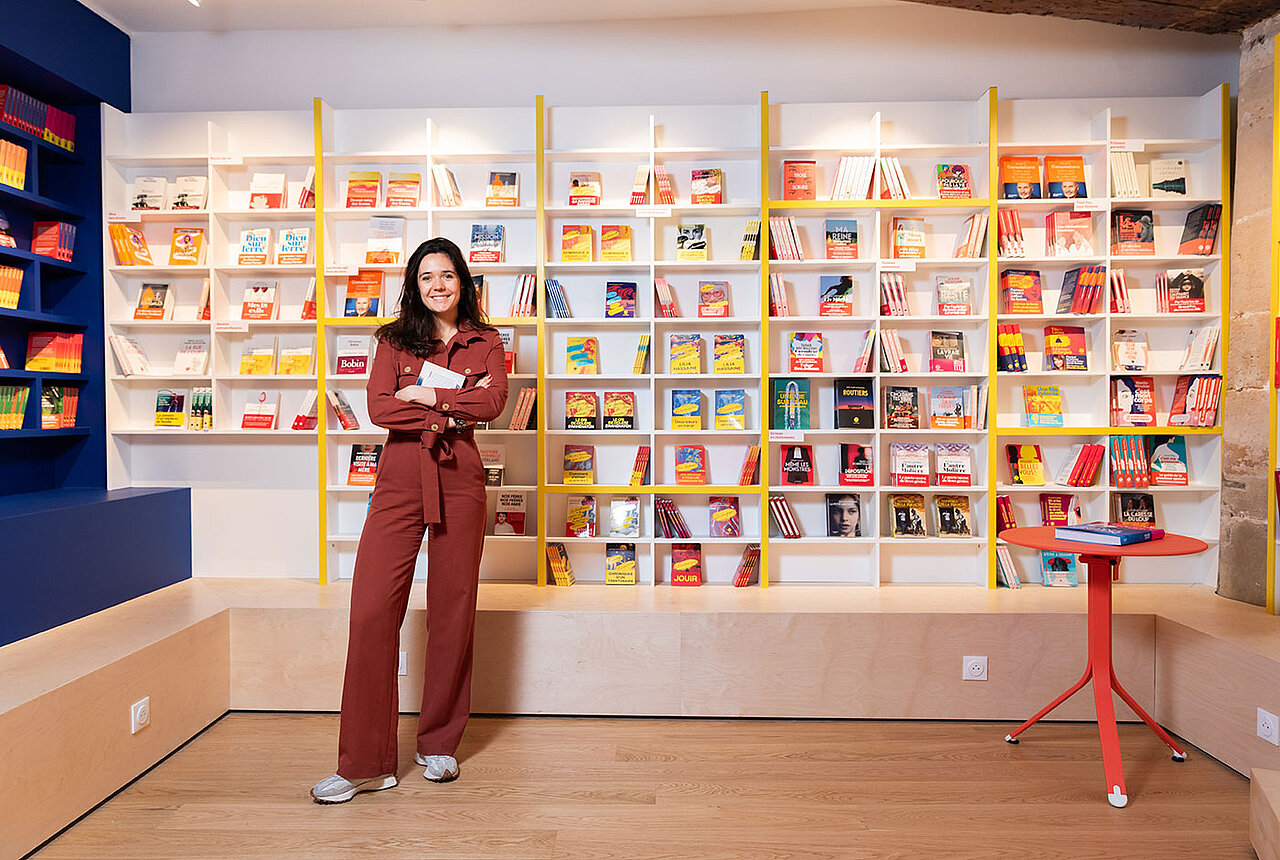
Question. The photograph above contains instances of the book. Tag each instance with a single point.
(908, 464)
(1068, 234)
(1132, 232)
(971, 240)
(559, 564)
(576, 243)
(952, 516)
(1042, 405)
(193, 357)
(729, 353)
(494, 460)
(1058, 569)
(947, 407)
(953, 464)
(1180, 291)
(1064, 176)
(189, 192)
(364, 293)
(835, 295)
(640, 187)
(1026, 465)
(806, 352)
(363, 470)
(186, 247)
(258, 355)
(706, 185)
(841, 238)
(640, 467)
(855, 407)
(799, 179)
(750, 249)
(685, 353)
(1202, 342)
(797, 466)
(907, 237)
(666, 298)
(1020, 291)
(686, 409)
(1129, 350)
(954, 181)
(1107, 534)
(619, 410)
(261, 410)
(582, 356)
(155, 302)
(1167, 461)
(447, 192)
(946, 352)
(855, 465)
(713, 298)
(267, 190)
(901, 407)
(342, 410)
(747, 475)
(669, 519)
(686, 564)
(385, 244)
(1065, 348)
(1133, 401)
(149, 192)
(725, 518)
(619, 564)
(488, 244)
(691, 242)
(615, 243)
(581, 411)
(255, 247)
(352, 354)
(642, 355)
(1168, 177)
(1134, 509)
(907, 513)
(730, 409)
(404, 190)
(503, 189)
(509, 515)
(171, 409)
(579, 464)
(844, 515)
(784, 517)
(624, 517)
(691, 464)
(260, 301)
(955, 295)
(580, 516)
(584, 188)
(1020, 177)
(1200, 230)
(790, 404)
(363, 189)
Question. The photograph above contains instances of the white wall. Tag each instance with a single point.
(904, 52)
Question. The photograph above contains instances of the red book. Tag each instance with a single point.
(686, 564)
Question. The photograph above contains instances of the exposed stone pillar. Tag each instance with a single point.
(1242, 571)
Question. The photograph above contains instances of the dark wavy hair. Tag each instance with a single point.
(415, 329)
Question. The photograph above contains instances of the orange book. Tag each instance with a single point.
(364, 294)
(1020, 177)
(186, 248)
(575, 243)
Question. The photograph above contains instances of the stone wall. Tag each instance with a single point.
(1242, 569)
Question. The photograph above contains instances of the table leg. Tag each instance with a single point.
(1100, 662)
(1178, 753)
(1012, 737)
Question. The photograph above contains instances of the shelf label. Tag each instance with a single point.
(897, 265)
(339, 270)
(226, 159)
(653, 211)
(130, 216)
(786, 436)
(222, 326)
(1127, 145)
(1085, 205)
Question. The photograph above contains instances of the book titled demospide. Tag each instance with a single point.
(1109, 534)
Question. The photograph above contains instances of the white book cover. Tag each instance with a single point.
(260, 411)
(386, 240)
(260, 301)
(150, 192)
(255, 247)
(1168, 177)
(192, 357)
(294, 247)
(433, 375)
(189, 192)
(267, 191)
(352, 354)
(130, 356)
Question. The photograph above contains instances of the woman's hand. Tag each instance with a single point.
(485, 382)
(417, 394)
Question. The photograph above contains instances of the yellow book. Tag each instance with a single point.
(730, 354)
(258, 356)
(615, 243)
(187, 246)
(685, 353)
(575, 243)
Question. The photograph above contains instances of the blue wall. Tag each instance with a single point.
(78, 57)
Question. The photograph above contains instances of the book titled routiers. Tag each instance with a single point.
(1109, 534)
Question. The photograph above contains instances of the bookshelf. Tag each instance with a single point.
(748, 143)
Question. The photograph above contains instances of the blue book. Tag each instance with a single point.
(1058, 568)
(1107, 534)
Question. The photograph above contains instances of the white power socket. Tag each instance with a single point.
(404, 663)
(975, 668)
(1268, 727)
(140, 715)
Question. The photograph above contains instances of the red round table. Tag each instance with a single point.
(1101, 559)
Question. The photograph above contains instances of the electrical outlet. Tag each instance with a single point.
(404, 663)
(1268, 727)
(140, 715)
(975, 668)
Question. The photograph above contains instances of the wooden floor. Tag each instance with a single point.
(536, 787)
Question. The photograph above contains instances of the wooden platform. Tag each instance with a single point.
(1264, 813)
(199, 648)
(539, 788)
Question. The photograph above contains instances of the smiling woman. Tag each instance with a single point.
(438, 368)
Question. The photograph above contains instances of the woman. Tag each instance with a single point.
(430, 475)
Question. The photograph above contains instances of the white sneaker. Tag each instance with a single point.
(439, 768)
(335, 789)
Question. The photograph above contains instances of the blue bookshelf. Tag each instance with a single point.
(73, 547)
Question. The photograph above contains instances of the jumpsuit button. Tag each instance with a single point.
(444, 406)
(435, 426)
(466, 370)
(408, 370)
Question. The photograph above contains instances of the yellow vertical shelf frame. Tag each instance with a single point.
(766, 407)
(1275, 312)
(993, 308)
(540, 407)
(318, 108)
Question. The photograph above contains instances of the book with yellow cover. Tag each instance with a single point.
(686, 409)
(582, 356)
(620, 564)
(729, 353)
(615, 243)
(685, 353)
(186, 248)
(258, 355)
(363, 188)
(1042, 405)
(575, 243)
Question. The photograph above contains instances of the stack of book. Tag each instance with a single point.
(1119, 293)
(670, 521)
(1009, 234)
(893, 295)
(10, 286)
(1011, 351)
(783, 516)
(558, 562)
(748, 566)
(35, 117)
(1081, 290)
(523, 301)
(784, 238)
(13, 165)
(1129, 467)
(973, 237)
(893, 182)
(13, 405)
(557, 301)
(853, 177)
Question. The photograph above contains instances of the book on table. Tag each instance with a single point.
(1107, 534)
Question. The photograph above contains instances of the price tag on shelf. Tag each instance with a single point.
(130, 216)
(339, 270)
(1085, 205)
(226, 159)
(897, 265)
(786, 436)
(1127, 145)
(227, 326)
(653, 211)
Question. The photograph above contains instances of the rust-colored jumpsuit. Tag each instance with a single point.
(428, 476)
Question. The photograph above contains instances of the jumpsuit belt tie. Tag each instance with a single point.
(436, 450)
